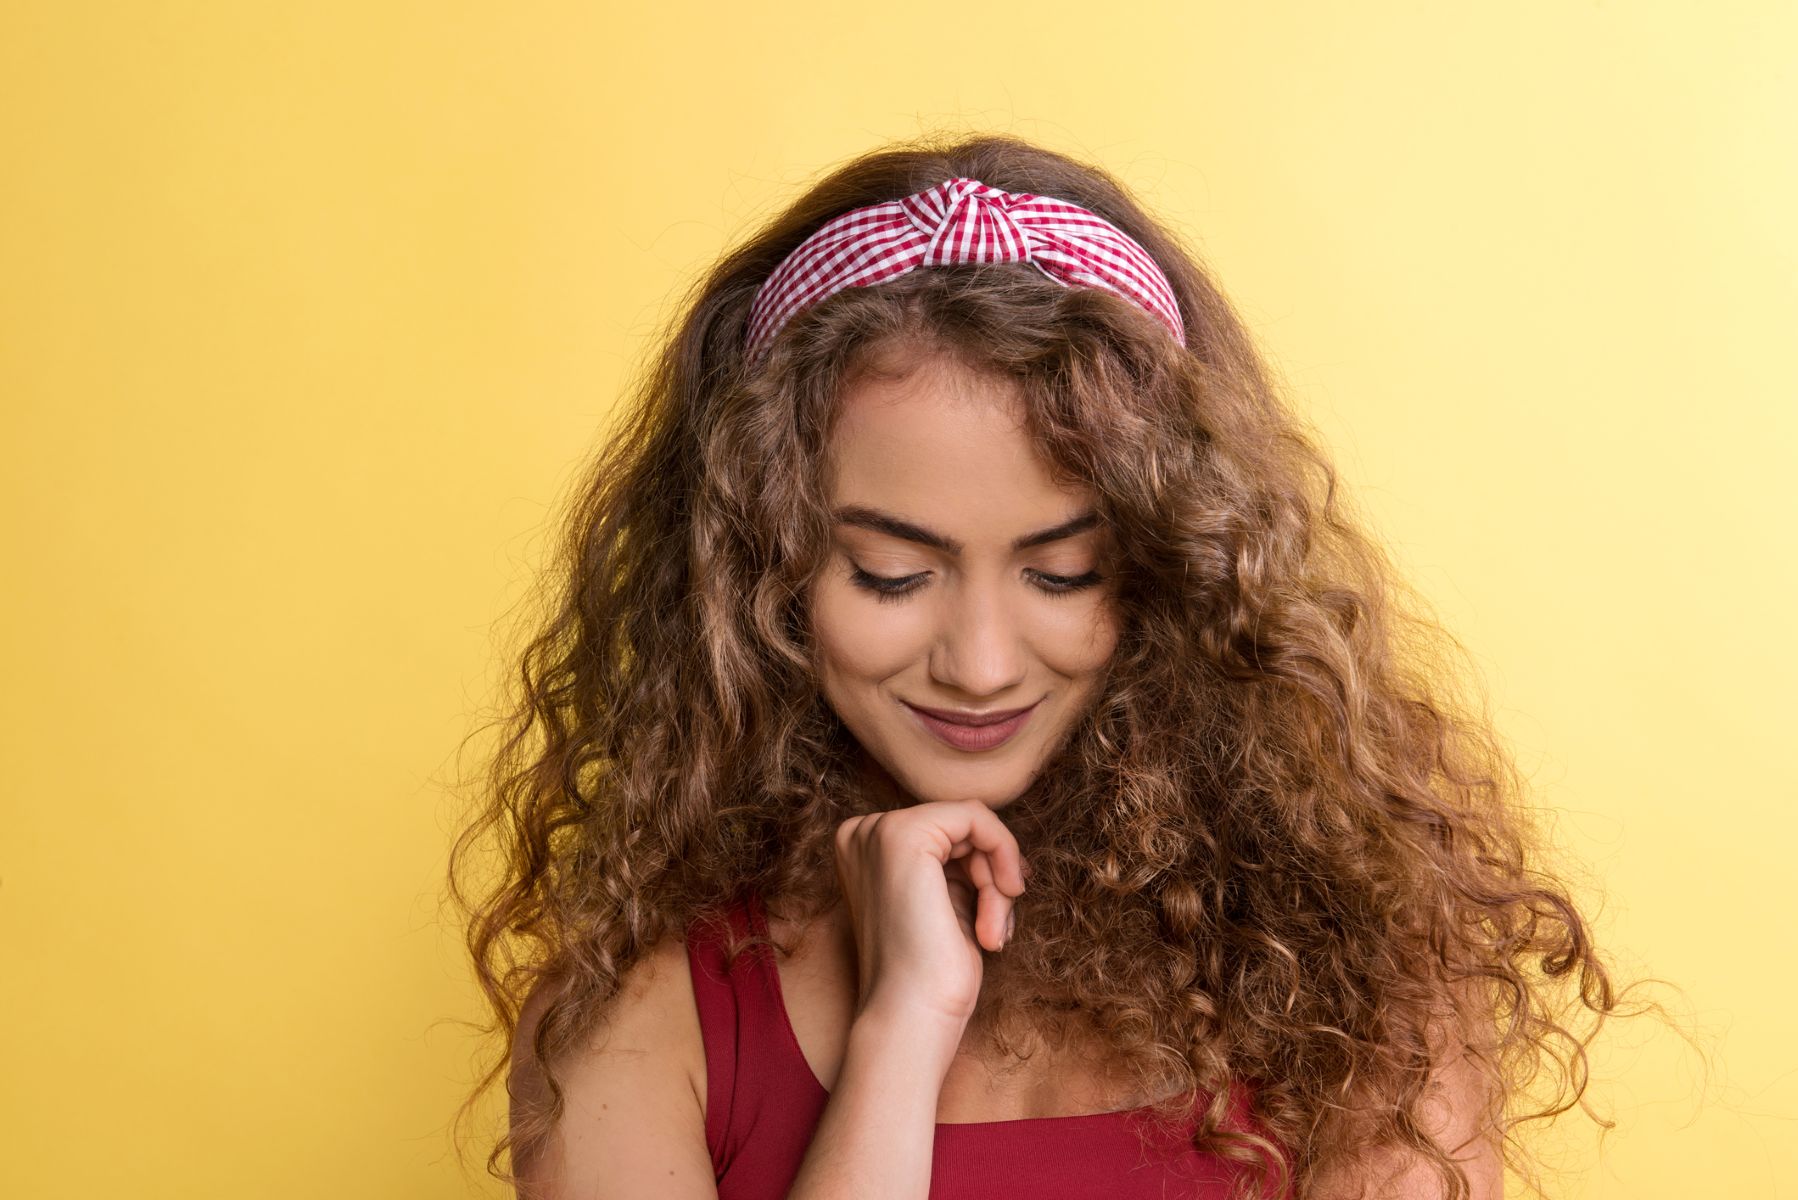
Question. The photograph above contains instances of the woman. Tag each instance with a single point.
(975, 754)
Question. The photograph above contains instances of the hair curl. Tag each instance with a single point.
(1278, 847)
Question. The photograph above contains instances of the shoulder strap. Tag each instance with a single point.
(762, 1100)
(710, 937)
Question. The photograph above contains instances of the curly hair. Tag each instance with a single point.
(1279, 846)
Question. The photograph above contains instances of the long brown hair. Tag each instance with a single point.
(1280, 847)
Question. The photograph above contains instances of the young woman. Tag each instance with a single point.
(974, 754)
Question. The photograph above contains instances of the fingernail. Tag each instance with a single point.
(1011, 923)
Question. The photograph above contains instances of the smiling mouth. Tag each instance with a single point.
(971, 731)
(990, 717)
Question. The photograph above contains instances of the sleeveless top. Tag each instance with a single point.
(763, 1103)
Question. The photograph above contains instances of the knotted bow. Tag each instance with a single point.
(960, 221)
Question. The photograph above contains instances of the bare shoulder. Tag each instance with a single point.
(633, 1121)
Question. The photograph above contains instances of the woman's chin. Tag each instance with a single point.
(925, 778)
(995, 793)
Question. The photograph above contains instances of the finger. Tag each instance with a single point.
(966, 826)
(989, 834)
(955, 872)
(971, 885)
(979, 867)
(965, 900)
(995, 904)
(995, 910)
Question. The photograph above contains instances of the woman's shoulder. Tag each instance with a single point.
(643, 1054)
(652, 1005)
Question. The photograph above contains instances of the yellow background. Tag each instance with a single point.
(309, 311)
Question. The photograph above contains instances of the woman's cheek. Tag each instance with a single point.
(860, 637)
(1079, 637)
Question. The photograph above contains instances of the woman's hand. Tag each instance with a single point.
(927, 887)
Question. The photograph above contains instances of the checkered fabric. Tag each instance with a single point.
(960, 221)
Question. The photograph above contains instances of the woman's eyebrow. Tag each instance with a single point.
(864, 517)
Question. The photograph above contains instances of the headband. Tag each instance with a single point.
(960, 221)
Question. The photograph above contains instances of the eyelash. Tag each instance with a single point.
(889, 589)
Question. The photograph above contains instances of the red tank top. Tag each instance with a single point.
(763, 1104)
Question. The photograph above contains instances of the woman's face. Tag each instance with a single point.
(962, 579)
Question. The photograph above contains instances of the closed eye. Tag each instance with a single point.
(894, 588)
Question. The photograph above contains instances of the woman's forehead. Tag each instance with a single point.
(941, 450)
(931, 416)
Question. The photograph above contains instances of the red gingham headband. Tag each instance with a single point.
(960, 221)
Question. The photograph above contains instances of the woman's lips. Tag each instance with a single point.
(966, 736)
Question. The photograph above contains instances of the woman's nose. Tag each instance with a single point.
(979, 650)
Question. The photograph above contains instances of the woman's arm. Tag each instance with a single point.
(929, 890)
(633, 1122)
(875, 1138)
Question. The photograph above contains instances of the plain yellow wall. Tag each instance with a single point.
(309, 311)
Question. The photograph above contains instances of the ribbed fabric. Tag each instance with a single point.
(763, 1104)
(959, 220)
